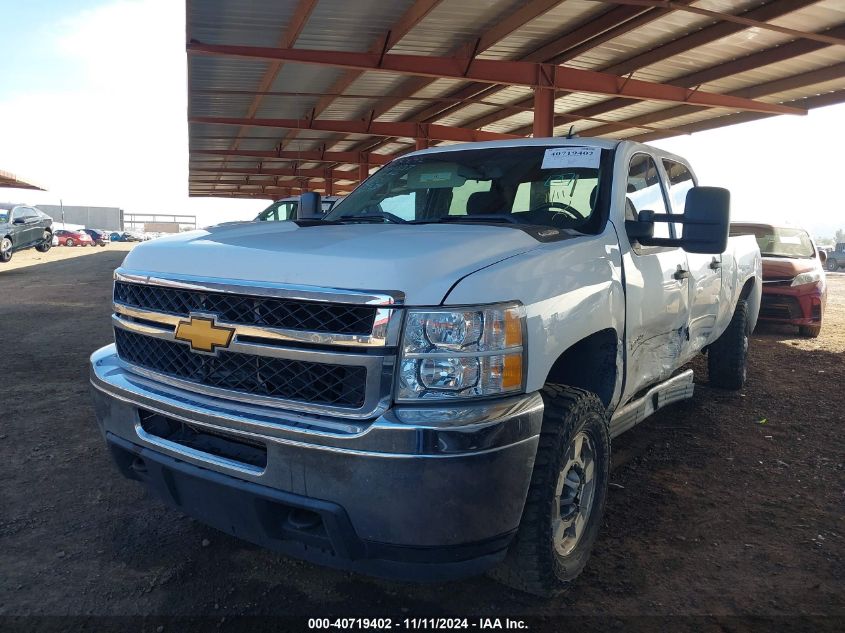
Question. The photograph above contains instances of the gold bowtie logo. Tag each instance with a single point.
(203, 334)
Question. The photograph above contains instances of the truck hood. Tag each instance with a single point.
(422, 261)
(777, 268)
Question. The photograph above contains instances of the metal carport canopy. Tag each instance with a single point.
(295, 95)
(10, 180)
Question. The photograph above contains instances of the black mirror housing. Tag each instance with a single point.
(310, 207)
(706, 220)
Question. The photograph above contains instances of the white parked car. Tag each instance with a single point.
(288, 209)
(425, 384)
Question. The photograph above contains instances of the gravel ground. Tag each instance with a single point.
(728, 505)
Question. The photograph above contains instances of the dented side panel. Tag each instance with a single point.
(570, 290)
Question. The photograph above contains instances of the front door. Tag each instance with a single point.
(657, 296)
(705, 284)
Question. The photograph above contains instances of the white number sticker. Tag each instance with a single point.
(557, 157)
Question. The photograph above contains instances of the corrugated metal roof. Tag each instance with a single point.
(655, 44)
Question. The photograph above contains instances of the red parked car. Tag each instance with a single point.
(73, 238)
(794, 284)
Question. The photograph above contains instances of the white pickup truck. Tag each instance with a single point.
(425, 383)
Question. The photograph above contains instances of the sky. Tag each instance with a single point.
(93, 106)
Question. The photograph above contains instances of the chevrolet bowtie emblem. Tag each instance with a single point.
(203, 334)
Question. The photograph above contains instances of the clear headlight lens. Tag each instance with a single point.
(811, 277)
(471, 352)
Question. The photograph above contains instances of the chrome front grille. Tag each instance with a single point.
(316, 383)
(307, 349)
(249, 310)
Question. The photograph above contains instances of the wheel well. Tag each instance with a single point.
(746, 289)
(589, 364)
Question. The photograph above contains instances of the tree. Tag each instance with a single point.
(840, 236)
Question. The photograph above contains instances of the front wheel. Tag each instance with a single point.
(46, 242)
(832, 264)
(566, 496)
(5, 250)
(809, 331)
(727, 358)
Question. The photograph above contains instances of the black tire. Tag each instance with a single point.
(46, 243)
(6, 250)
(69, 242)
(535, 562)
(810, 331)
(832, 264)
(727, 358)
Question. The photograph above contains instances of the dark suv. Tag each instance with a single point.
(21, 227)
(836, 258)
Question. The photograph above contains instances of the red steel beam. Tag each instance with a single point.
(737, 19)
(586, 35)
(544, 112)
(496, 72)
(801, 80)
(412, 16)
(374, 128)
(294, 28)
(736, 66)
(706, 35)
(319, 174)
(308, 156)
(818, 101)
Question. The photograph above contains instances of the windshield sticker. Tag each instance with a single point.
(566, 157)
(789, 239)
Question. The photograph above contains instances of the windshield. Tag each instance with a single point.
(546, 186)
(779, 242)
(4, 216)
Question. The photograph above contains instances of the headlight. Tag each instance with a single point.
(466, 353)
(814, 276)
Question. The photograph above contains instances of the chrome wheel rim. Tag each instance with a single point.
(574, 494)
(5, 245)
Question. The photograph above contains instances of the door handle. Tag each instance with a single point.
(715, 264)
(681, 274)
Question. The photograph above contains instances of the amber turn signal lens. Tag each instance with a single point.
(513, 328)
(512, 371)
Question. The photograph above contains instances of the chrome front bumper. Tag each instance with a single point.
(422, 478)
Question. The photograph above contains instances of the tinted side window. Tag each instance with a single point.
(681, 181)
(644, 192)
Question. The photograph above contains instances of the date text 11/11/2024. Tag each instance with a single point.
(432, 624)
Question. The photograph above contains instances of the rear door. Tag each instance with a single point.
(705, 283)
(657, 299)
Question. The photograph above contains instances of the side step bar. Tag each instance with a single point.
(675, 389)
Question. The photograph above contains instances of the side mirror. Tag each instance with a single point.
(310, 207)
(822, 256)
(19, 221)
(706, 220)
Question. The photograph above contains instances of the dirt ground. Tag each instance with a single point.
(729, 505)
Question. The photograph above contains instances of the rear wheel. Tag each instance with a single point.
(727, 358)
(810, 331)
(832, 264)
(46, 242)
(566, 497)
(69, 242)
(5, 250)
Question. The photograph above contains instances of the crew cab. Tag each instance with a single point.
(21, 227)
(425, 383)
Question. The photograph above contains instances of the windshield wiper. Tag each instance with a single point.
(487, 217)
(372, 217)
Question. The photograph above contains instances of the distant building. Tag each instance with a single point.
(107, 218)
